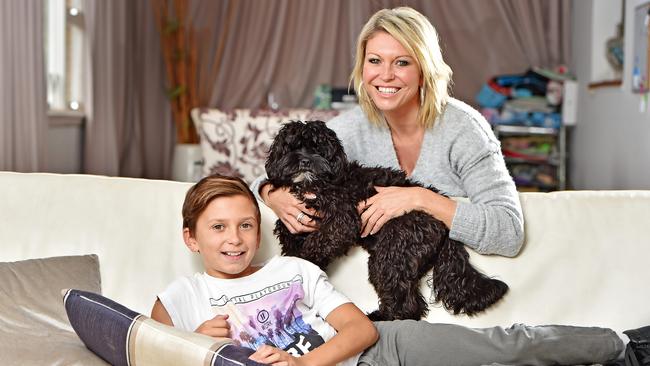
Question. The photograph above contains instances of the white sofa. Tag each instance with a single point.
(585, 260)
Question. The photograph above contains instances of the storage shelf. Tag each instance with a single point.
(549, 161)
(525, 130)
(534, 173)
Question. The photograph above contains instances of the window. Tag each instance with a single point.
(64, 42)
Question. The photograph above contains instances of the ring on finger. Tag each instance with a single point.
(300, 216)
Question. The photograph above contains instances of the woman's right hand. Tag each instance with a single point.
(215, 327)
(291, 211)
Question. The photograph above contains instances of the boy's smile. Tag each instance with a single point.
(227, 236)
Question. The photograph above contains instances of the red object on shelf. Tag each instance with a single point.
(518, 155)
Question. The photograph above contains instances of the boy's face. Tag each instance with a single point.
(227, 235)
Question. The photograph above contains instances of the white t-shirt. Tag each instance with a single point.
(283, 304)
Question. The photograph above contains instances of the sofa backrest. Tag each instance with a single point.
(584, 262)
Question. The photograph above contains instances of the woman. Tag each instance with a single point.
(407, 120)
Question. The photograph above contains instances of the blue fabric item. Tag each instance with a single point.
(490, 98)
(102, 324)
(106, 328)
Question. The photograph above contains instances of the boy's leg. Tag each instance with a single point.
(411, 343)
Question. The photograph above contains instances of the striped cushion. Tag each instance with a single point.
(122, 336)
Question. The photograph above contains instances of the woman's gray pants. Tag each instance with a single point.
(414, 343)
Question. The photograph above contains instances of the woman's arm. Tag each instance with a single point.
(491, 221)
(391, 202)
(285, 206)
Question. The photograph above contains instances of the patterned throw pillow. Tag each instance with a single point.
(122, 336)
(236, 142)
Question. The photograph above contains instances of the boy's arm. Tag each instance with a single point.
(355, 333)
(160, 314)
(217, 327)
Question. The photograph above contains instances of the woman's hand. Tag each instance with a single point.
(294, 214)
(215, 327)
(391, 202)
(274, 356)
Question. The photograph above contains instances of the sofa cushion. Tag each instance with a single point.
(122, 336)
(35, 329)
(236, 142)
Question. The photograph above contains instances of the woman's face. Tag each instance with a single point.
(390, 75)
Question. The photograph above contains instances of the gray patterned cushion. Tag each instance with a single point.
(236, 142)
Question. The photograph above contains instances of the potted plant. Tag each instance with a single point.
(179, 51)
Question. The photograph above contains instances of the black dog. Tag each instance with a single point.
(307, 157)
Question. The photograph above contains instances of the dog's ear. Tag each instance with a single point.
(336, 155)
(282, 144)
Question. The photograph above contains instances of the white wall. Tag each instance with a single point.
(610, 145)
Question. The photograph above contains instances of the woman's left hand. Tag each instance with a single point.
(388, 203)
(274, 356)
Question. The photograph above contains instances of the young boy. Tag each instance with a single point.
(288, 312)
(287, 302)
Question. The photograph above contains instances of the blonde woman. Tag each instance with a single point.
(407, 120)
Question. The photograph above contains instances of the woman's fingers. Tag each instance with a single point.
(297, 223)
(377, 210)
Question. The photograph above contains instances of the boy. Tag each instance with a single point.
(287, 301)
(286, 308)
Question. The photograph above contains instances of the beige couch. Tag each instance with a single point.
(584, 262)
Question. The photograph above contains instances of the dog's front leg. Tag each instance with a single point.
(400, 256)
(291, 244)
(331, 241)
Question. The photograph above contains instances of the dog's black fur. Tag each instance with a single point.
(307, 157)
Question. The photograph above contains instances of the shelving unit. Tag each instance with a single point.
(535, 156)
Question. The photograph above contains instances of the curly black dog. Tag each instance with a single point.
(308, 158)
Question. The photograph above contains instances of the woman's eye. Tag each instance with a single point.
(217, 227)
(247, 225)
(402, 63)
(373, 60)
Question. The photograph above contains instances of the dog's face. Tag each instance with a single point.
(304, 154)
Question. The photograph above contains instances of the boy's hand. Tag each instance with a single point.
(275, 356)
(215, 327)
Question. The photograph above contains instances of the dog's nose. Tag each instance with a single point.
(304, 163)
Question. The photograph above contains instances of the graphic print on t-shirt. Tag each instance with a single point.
(270, 316)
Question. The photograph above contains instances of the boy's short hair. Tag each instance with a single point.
(199, 196)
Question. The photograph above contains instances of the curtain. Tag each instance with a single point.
(248, 49)
(288, 47)
(23, 99)
(129, 131)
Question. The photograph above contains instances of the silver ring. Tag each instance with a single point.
(300, 216)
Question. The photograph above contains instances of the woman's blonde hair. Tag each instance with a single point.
(418, 36)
